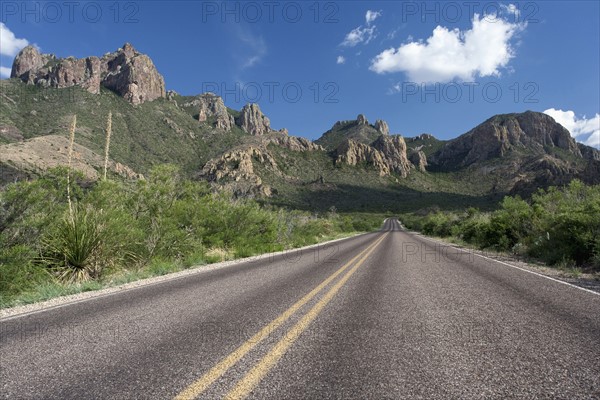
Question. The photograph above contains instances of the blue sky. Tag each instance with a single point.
(437, 67)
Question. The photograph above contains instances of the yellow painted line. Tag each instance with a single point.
(260, 370)
(200, 385)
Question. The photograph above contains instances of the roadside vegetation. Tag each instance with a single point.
(60, 234)
(559, 226)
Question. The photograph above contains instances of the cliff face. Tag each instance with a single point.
(393, 149)
(387, 154)
(127, 72)
(353, 153)
(418, 159)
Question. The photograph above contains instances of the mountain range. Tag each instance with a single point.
(355, 165)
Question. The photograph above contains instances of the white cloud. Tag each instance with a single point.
(585, 130)
(4, 72)
(341, 60)
(359, 35)
(10, 45)
(362, 34)
(371, 16)
(511, 9)
(255, 48)
(453, 54)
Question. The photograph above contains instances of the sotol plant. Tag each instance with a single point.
(107, 145)
(70, 157)
(74, 250)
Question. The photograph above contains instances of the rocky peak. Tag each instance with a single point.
(127, 72)
(499, 135)
(128, 50)
(362, 120)
(133, 76)
(253, 121)
(27, 60)
(382, 127)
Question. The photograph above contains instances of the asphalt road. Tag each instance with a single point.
(385, 315)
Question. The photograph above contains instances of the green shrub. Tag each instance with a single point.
(439, 224)
(559, 226)
(120, 231)
(17, 271)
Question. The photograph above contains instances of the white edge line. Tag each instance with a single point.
(509, 265)
(154, 280)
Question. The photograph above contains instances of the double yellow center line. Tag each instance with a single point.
(252, 378)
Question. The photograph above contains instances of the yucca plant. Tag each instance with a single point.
(107, 143)
(74, 250)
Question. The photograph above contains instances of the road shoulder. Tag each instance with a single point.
(586, 281)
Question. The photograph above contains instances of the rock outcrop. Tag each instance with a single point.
(127, 72)
(211, 106)
(234, 170)
(294, 143)
(382, 127)
(353, 153)
(418, 159)
(394, 150)
(253, 121)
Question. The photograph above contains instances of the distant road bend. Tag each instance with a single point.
(384, 315)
